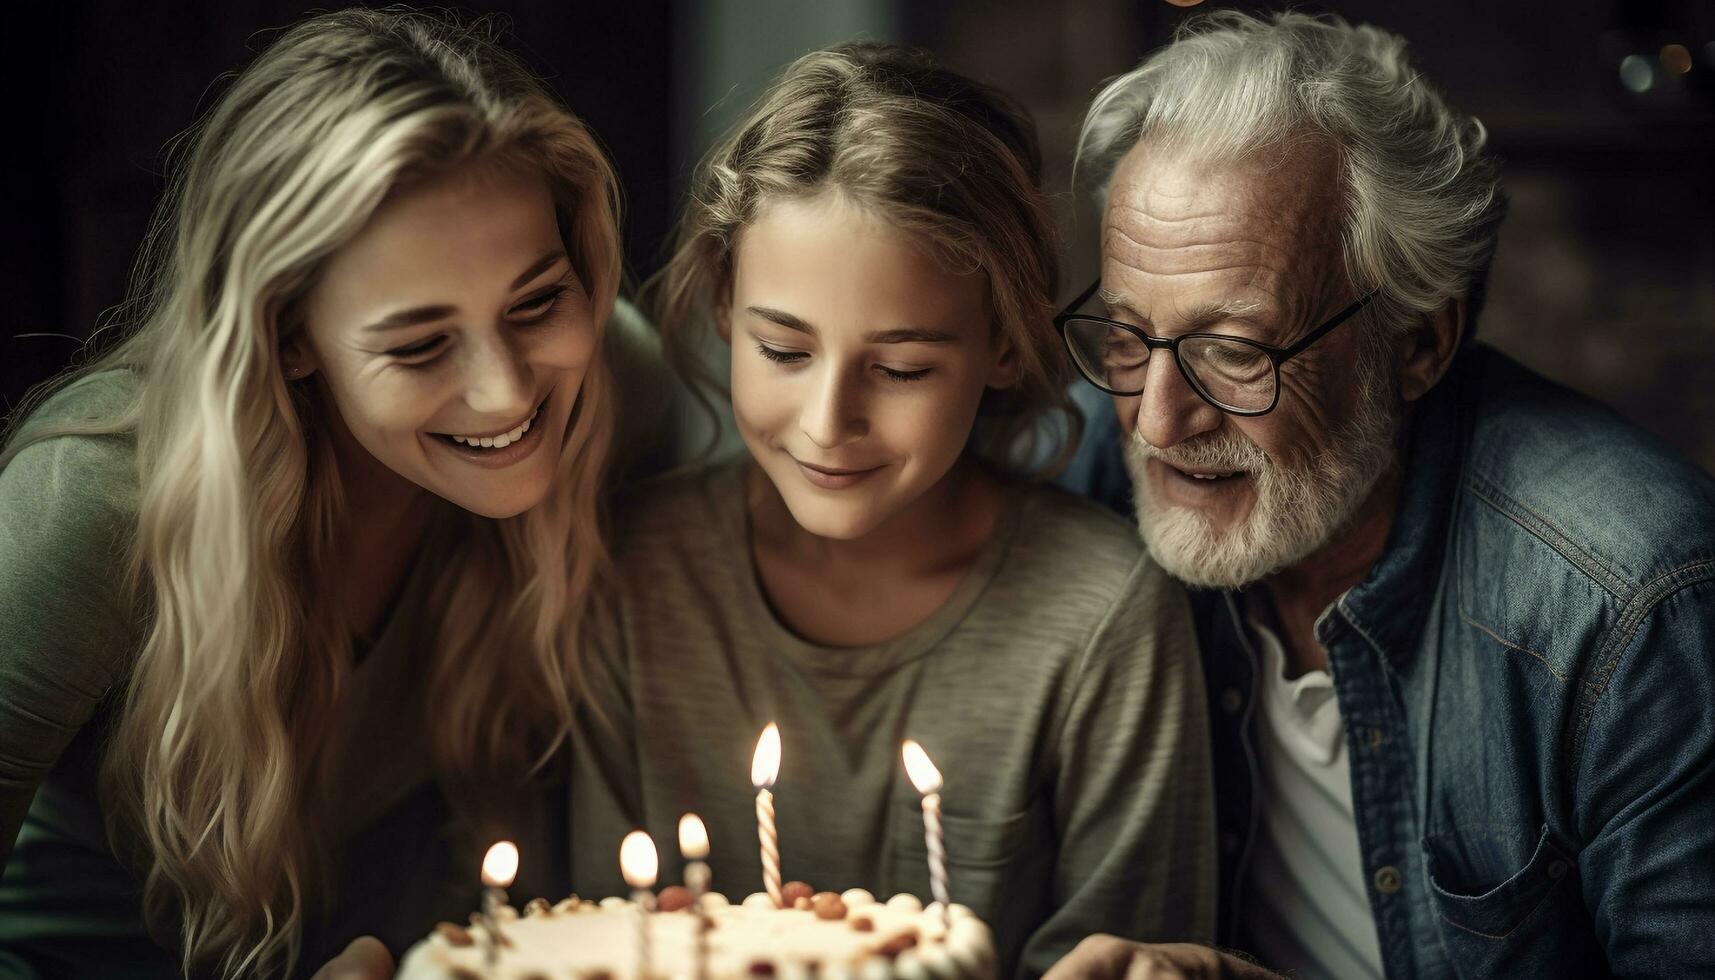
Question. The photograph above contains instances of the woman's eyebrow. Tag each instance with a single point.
(411, 317)
(428, 314)
(539, 266)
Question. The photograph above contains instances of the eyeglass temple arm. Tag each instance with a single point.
(1322, 331)
(1083, 297)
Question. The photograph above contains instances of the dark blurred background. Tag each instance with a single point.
(1603, 112)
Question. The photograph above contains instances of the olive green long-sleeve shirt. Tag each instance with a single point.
(68, 905)
(1057, 690)
(399, 862)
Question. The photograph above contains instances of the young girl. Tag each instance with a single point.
(350, 454)
(873, 245)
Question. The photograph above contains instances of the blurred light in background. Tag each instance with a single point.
(1676, 59)
(1636, 73)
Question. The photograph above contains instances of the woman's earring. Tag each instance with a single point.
(296, 373)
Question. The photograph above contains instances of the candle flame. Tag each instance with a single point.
(765, 765)
(638, 861)
(923, 773)
(500, 865)
(693, 837)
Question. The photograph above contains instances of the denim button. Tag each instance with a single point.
(1232, 700)
(1557, 869)
(1375, 738)
(1387, 880)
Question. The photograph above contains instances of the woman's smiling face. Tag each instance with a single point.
(858, 361)
(452, 336)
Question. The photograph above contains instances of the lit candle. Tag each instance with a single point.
(639, 864)
(764, 768)
(499, 868)
(927, 779)
(694, 847)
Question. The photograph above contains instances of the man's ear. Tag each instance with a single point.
(1429, 349)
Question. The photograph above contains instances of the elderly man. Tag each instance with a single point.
(1458, 623)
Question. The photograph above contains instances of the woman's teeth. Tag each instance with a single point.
(496, 442)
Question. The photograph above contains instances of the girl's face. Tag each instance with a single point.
(452, 336)
(858, 361)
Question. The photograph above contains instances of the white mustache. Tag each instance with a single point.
(1226, 452)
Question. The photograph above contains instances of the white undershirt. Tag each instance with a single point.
(1305, 907)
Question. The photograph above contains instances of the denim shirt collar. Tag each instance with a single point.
(1387, 608)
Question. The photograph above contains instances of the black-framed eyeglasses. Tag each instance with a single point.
(1235, 374)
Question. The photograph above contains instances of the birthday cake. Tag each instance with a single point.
(827, 936)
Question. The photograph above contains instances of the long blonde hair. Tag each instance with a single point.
(939, 155)
(225, 727)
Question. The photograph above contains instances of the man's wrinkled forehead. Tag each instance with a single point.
(1288, 195)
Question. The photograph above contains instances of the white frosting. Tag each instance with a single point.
(909, 966)
(905, 902)
(581, 940)
(969, 944)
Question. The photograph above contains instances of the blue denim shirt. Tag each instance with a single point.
(1527, 682)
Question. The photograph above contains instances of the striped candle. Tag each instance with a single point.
(927, 779)
(764, 768)
(770, 845)
(937, 855)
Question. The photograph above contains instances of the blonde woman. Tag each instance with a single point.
(307, 552)
(873, 245)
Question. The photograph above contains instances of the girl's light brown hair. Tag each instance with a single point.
(939, 155)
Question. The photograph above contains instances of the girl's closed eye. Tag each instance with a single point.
(900, 374)
(779, 356)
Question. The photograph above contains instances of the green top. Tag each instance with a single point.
(1057, 690)
(68, 907)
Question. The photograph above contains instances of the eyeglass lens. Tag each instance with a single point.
(1228, 371)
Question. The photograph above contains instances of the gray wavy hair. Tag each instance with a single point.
(1423, 196)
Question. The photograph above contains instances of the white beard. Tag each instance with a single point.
(1297, 510)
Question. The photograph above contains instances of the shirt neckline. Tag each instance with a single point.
(727, 490)
(1302, 710)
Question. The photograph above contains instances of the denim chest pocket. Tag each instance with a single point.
(1504, 927)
